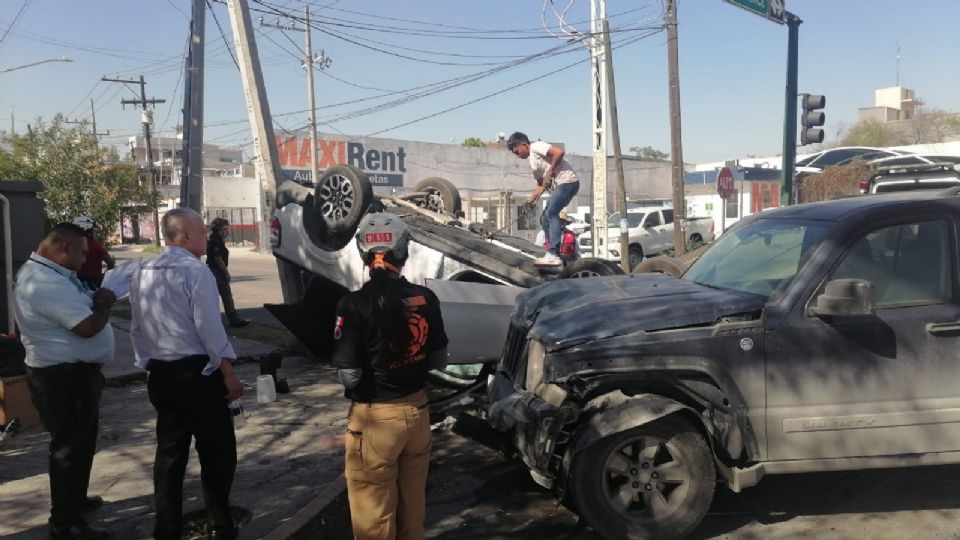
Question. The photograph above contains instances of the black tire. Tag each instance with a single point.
(636, 255)
(696, 238)
(625, 464)
(590, 267)
(661, 265)
(342, 196)
(442, 196)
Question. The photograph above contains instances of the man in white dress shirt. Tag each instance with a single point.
(179, 339)
(67, 334)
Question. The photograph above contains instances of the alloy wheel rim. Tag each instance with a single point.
(338, 198)
(646, 478)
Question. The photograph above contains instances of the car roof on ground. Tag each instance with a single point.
(837, 209)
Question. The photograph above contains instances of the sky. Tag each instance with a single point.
(501, 68)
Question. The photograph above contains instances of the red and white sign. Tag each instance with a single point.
(725, 183)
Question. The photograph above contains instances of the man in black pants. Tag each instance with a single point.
(218, 257)
(66, 332)
(179, 339)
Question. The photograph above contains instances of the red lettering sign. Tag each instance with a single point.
(378, 238)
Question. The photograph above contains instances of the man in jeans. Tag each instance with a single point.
(553, 173)
(67, 335)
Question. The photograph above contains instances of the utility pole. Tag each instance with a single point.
(676, 146)
(621, 202)
(790, 110)
(258, 109)
(93, 118)
(191, 168)
(146, 118)
(13, 127)
(323, 62)
(598, 69)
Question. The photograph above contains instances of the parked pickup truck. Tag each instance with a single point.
(651, 231)
(816, 337)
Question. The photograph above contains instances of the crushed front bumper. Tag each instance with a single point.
(540, 431)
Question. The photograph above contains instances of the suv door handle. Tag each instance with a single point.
(944, 328)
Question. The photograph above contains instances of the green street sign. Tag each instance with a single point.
(771, 9)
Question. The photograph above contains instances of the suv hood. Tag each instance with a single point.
(572, 311)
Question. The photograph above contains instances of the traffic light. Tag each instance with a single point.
(811, 118)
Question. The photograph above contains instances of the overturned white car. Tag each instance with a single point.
(476, 273)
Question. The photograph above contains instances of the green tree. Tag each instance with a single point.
(647, 153)
(78, 178)
(871, 133)
(473, 142)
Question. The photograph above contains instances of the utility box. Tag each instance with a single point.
(28, 224)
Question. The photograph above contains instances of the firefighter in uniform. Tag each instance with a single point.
(387, 336)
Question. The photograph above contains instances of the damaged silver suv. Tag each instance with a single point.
(810, 338)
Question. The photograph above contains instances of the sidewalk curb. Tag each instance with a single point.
(299, 520)
(124, 379)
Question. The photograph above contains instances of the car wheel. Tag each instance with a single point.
(441, 195)
(636, 255)
(589, 267)
(660, 265)
(696, 238)
(342, 196)
(653, 481)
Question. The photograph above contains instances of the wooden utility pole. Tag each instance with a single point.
(258, 109)
(621, 202)
(676, 146)
(146, 118)
(191, 167)
(320, 60)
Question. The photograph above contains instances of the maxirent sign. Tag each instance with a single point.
(384, 166)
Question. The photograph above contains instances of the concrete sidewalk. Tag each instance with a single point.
(289, 451)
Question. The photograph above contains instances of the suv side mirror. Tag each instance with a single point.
(845, 298)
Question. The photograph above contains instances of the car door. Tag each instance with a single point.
(884, 384)
(653, 235)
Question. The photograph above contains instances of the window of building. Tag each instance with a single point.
(732, 205)
(766, 200)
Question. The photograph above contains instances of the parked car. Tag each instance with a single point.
(816, 337)
(896, 177)
(650, 232)
(476, 273)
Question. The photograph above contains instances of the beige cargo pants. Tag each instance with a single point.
(387, 458)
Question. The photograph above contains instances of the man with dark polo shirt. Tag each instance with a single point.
(66, 332)
(179, 339)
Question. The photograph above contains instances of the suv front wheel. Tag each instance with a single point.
(653, 481)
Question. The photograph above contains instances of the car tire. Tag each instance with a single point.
(442, 195)
(623, 465)
(342, 196)
(660, 265)
(696, 238)
(635, 255)
(590, 267)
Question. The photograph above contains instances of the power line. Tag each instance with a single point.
(222, 35)
(16, 19)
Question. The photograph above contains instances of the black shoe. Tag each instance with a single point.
(239, 323)
(282, 386)
(91, 504)
(77, 531)
(224, 533)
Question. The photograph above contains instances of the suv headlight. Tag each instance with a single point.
(535, 356)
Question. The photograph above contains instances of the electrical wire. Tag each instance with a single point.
(223, 35)
(16, 19)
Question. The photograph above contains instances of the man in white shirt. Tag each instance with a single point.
(179, 339)
(66, 332)
(553, 173)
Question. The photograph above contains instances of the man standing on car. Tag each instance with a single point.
(552, 173)
(67, 334)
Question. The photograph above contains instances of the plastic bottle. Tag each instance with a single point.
(236, 411)
(266, 389)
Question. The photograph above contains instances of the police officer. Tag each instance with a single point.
(387, 336)
(218, 258)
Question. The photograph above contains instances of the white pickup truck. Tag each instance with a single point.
(651, 231)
